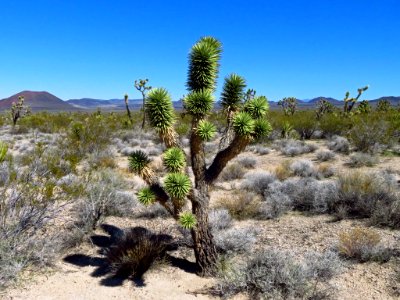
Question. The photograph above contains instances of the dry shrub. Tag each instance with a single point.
(358, 243)
(243, 205)
(233, 171)
(326, 170)
(282, 171)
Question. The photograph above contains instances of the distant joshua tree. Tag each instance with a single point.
(128, 111)
(140, 85)
(323, 107)
(383, 105)
(19, 110)
(364, 107)
(349, 102)
(248, 123)
(289, 105)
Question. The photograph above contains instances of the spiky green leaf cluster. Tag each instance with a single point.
(146, 196)
(138, 160)
(199, 103)
(233, 92)
(3, 151)
(177, 185)
(174, 159)
(203, 64)
(187, 220)
(243, 124)
(206, 130)
(257, 107)
(159, 109)
(261, 128)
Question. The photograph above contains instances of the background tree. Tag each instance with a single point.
(128, 111)
(323, 107)
(19, 110)
(289, 105)
(349, 102)
(177, 190)
(364, 107)
(383, 105)
(140, 85)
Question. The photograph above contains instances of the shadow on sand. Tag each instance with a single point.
(103, 268)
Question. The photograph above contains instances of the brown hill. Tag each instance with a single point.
(38, 101)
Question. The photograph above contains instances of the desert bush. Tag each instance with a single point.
(282, 171)
(304, 168)
(25, 216)
(274, 274)
(294, 147)
(339, 144)
(307, 194)
(368, 195)
(258, 181)
(370, 135)
(91, 135)
(360, 159)
(219, 219)
(105, 196)
(259, 149)
(362, 244)
(325, 155)
(247, 162)
(235, 240)
(233, 171)
(242, 205)
(304, 124)
(326, 170)
(136, 251)
(274, 205)
(335, 124)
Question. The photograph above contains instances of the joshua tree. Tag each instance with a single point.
(349, 102)
(19, 110)
(140, 85)
(364, 107)
(323, 107)
(248, 123)
(127, 108)
(383, 105)
(289, 105)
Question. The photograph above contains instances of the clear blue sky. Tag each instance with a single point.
(302, 48)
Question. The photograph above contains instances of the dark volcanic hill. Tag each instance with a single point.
(38, 101)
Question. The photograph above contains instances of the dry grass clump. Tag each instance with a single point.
(362, 244)
(242, 205)
(282, 171)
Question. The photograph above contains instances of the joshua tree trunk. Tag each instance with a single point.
(204, 248)
(144, 114)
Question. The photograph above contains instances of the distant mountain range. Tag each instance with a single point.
(44, 101)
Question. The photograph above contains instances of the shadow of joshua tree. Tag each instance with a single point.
(128, 254)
